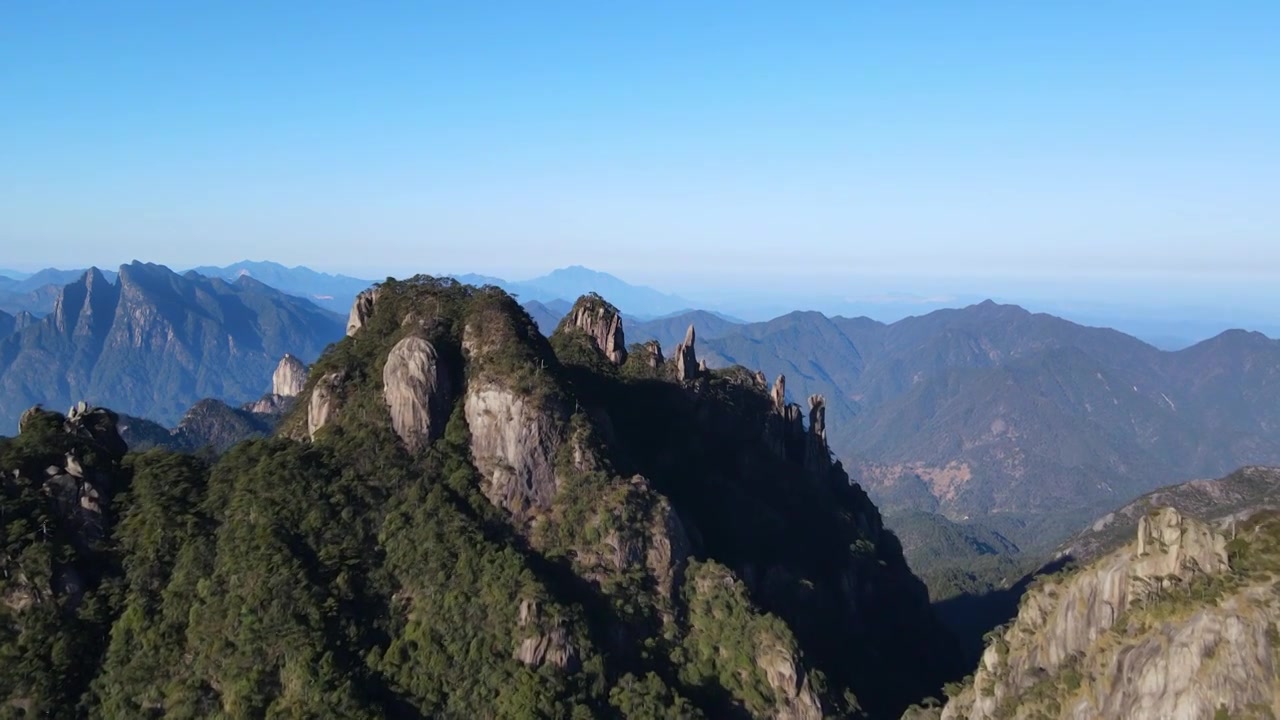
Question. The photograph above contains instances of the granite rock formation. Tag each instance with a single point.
(1165, 627)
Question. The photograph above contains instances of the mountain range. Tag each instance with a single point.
(35, 292)
(331, 292)
(970, 412)
(462, 517)
(154, 342)
(993, 409)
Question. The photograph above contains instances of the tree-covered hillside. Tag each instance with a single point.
(462, 518)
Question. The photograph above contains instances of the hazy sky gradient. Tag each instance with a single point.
(670, 143)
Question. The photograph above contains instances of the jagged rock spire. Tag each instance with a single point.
(686, 357)
(779, 395)
(361, 310)
(654, 350)
(817, 454)
(818, 417)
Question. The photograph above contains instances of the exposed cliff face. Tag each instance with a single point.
(1163, 628)
(516, 422)
(514, 444)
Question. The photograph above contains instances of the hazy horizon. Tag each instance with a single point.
(991, 142)
(1161, 321)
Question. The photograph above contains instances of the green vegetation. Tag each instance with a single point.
(726, 636)
(683, 569)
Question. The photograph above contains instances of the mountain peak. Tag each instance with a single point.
(94, 277)
(580, 272)
(991, 306)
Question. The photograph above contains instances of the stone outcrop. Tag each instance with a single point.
(653, 354)
(1087, 647)
(78, 487)
(287, 382)
(361, 310)
(686, 357)
(601, 322)
(546, 645)
(785, 432)
(97, 424)
(324, 402)
(779, 395)
(416, 390)
(290, 377)
(514, 443)
(27, 416)
(1169, 544)
(515, 431)
(797, 700)
(667, 554)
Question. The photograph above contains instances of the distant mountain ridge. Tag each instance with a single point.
(36, 292)
(987, 408)
(155, 342)
(991, 408)
(331, 292)
(568, 283)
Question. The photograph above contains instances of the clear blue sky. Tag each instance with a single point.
(667, 142)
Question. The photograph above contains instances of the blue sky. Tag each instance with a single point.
(920, 145)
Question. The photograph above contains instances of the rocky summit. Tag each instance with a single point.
(460, 517)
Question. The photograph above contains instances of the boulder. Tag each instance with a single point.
(416, 390)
